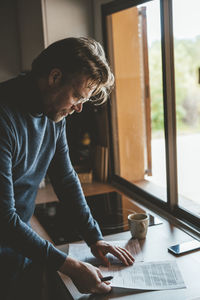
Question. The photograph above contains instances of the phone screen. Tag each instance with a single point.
(185, 247)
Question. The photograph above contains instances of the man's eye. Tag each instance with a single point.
(79, 96)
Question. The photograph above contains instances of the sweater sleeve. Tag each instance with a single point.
(15, 233)
(68, 189)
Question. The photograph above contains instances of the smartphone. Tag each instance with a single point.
(184, 247)
(154, 220)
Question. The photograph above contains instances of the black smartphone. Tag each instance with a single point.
(184, 247)
(154, 220)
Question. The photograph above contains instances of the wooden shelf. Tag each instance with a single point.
(47, 194)
(96, 188)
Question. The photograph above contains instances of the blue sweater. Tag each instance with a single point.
(31, 146)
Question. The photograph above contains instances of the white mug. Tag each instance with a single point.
(138, 225)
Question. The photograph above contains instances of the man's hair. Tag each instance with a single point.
(76, 57)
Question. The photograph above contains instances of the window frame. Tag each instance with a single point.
(169, 105)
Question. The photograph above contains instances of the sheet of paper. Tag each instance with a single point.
(82, 252)
(159, 275)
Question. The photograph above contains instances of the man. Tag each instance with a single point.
(33, 144)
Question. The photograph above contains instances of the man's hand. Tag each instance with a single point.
(86, 277)
(101, 248)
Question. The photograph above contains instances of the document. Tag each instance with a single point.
(159, 275)
(143, 276)
(82, 252)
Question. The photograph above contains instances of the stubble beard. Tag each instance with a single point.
(56, 116)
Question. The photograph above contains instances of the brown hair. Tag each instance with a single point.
(76, 57)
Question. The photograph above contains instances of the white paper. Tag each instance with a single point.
(159, 275)
(82, 252)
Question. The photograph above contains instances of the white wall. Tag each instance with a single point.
(27, 26)
(66, 18)
(9, 41)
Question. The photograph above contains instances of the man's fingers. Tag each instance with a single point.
(101, 248)
(127, 253)
(102, 288)
(107, 282)
(122, 255)
(130, 260)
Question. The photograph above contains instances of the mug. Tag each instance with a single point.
(138, 225)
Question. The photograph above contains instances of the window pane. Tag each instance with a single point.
(187, 64)
(134, 41)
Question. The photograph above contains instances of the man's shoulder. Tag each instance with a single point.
(10, 92)
(5, 86)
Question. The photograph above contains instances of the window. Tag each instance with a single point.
(187, 84)
(135, 48)
(152, 97)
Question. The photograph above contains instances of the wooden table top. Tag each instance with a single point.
(154, 248)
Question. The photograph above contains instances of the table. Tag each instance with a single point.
(154, 248)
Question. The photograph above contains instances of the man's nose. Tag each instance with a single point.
(78, 108)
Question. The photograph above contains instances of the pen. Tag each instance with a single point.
(106, 278)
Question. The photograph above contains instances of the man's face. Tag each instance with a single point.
(62, 99)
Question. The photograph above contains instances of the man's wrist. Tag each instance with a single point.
(95, 243)
(69, 266)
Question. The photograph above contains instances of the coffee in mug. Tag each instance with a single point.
(138, 225)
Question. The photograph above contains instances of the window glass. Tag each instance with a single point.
(134, 42)
(186, 26)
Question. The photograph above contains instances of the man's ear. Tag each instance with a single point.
(55, 77)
